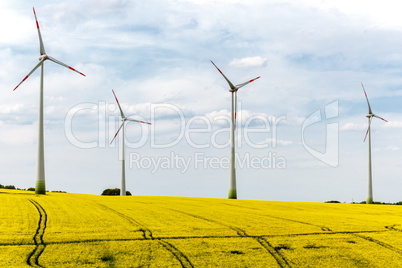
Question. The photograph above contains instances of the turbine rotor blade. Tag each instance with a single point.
(117, 132)
(33, 70)
(366, 99)
(121, 111)
(138, 121)
(230, 83)
(65, 65)
(366, 135)
(380, 118)
(368, 129)
(42, 47)
(245, 83)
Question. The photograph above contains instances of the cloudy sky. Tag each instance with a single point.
(300, 129)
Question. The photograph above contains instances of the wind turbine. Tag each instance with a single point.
(40, 187)
(369, 116)
(123, 164)
(232, 172)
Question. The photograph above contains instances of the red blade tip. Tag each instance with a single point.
(113, 138)
(366, 135)
(71, 68)
(216, 67)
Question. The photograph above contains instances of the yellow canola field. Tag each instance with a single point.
(78, 230)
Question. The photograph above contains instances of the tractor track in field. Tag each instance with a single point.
(147, 234)
(240, 206)
(323, 228)
(239, 231)
(184, 261)
(33, 257)
(327, 233)
(196, 237)
(380, 243)
(392, 228)
(273, 251)
(280, 259)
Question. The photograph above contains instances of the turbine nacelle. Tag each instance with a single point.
(43, 57)
(369, 115)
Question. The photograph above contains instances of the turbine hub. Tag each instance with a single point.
(44, 56)
(233, 89)
(369, 115)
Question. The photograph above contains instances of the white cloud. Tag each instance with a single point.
(249, 62)
(273, 142)
(13, 134)
(392, 148)
(385, 13)
(8, 109)
(393, 124)
(243, 116)
(142, 109)
(353, 126)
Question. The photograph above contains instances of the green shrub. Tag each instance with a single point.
(115, 191)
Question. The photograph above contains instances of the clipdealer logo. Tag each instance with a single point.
(330, 156)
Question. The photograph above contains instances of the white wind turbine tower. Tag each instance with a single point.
(232, 172)
(40, 187)
(370, 115)
(123, 164)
